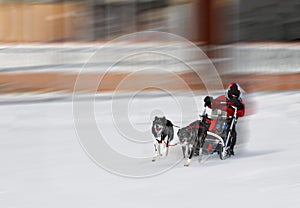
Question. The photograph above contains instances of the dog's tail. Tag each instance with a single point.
(176, 126)
(169, 123)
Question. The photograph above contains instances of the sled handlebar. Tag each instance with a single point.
(235, 110)
(223, 103)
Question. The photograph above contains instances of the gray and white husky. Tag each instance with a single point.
(189, 140)
(163, 132)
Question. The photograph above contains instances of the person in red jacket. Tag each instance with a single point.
(232, 97)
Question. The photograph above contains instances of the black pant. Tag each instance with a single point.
(232, 139)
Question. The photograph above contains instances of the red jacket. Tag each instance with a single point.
(218, 103)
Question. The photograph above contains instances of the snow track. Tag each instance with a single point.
(44, 165)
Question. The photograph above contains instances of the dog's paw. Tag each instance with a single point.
(199, 158)
(187, 163)
(153, 159)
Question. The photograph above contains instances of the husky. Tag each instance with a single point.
(163, 132)
(189, 140)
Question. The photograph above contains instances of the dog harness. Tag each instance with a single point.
(196, 126)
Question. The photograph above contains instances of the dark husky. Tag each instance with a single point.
(163, 132)
(189, 139)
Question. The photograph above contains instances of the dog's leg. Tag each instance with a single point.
(188, 150)
(202, 141)
(188, 147)
(192, 146)
(156, 148)
(200, 155)
(166, 149)
(191, 151)
(159, 149)
(169, 137)
(162, 146)
(184, 151)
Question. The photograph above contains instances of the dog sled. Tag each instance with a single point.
(216, 134)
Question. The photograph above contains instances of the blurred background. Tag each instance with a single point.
(44, 43)
(207, 21)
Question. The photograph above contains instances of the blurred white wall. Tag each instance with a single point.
(241, 58)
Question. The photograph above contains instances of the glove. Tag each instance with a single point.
(236, 102)
(208, 100)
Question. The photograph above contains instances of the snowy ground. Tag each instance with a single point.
(44, 165)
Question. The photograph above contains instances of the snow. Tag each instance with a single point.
(43, 163)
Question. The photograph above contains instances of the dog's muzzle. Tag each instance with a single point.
(183, 143)
(158, 130)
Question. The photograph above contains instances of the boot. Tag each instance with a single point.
(230, 151)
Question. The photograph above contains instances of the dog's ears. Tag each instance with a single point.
(155, 117)
(165, 120)
(178, 131)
